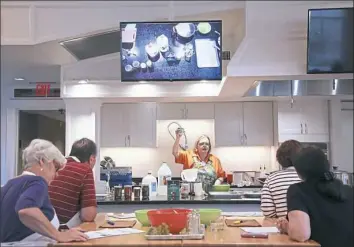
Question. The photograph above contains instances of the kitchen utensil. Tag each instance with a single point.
(208, 215)
(128, 68)
(162, 42)
(241, 223)
(345, 177)
(206, 53)
(193, 222)
(142, 217)
(153, 51)
(179, 129)
(184, 30)
(189, 175)
(221, 188)
(254, 235)
(175, 222)
(204, 27)
(118, 224)
(198, 189)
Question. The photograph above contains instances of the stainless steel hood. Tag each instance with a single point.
(301, 88)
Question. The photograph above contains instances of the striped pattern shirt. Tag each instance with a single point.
(274, 191)
(72, 189)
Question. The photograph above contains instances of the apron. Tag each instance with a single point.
(54, 222)
(206, 173)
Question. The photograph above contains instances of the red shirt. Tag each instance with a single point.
(72, 189)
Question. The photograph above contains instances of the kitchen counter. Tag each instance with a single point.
(230, 237)
(195, 200)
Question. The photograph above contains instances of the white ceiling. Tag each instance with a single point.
(37, 63)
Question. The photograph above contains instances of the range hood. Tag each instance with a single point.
(278, 88)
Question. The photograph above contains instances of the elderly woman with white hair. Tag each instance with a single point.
(26, 211)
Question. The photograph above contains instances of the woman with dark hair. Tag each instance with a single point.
(321, 207)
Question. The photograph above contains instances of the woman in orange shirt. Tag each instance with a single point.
(210, 171)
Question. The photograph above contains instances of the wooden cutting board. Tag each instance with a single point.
(119, 224)
(241, 223)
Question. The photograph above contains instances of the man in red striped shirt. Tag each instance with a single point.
(72, 192)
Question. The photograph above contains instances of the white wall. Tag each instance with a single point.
(341, 134)
(144, 159)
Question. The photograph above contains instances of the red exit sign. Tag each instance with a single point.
(42, 89)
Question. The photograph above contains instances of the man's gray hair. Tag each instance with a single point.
(43, 150)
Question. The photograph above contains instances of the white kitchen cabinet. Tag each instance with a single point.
(306, 121)
(142, 125)
(168, 111)
(128, 125)
(258, 125)
(228, 124)
(244, 124)
(175, 111)
(114, 125)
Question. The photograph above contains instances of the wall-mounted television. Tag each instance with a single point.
(330, 41)
(171, 51)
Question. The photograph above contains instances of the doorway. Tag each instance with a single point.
(44, 124)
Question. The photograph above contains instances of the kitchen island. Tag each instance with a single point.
(226, 205)
(230, 237)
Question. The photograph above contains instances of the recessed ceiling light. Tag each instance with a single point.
(19, 79)
(143, 82)
(83, 81)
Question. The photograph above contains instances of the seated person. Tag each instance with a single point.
(321, 207)
(26, 211)
(72, 192)
(273, 198)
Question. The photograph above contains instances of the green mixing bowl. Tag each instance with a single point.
(142, 217)
(221, 188)
(208, 215)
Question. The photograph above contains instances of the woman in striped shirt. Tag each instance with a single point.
(273, 199)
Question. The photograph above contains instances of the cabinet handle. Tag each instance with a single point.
(306, 128)
(129, 140)
(301, 129)
(246, 138)
(242, 141)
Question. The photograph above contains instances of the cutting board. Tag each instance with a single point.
(119, 224)
(206, 53)
(244, 223)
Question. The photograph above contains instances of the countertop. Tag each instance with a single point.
(195, 200)
(230, 237)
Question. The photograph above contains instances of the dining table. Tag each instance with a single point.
(228, 236)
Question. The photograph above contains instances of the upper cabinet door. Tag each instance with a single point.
(290, 119)
(258, 123)
(142, 125)
(171, 111)
(200, 111)
(114, 126)
(228, 124)
(315, 117)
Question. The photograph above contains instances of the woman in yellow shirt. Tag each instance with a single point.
(210, 171)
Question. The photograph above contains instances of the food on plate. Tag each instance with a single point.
(162, 229)
(204, 27)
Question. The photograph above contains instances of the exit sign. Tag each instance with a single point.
(42, 89)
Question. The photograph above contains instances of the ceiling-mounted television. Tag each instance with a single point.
(330, 41)
(171, 51)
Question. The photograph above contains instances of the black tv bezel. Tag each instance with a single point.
(307, 44)
(172, 80)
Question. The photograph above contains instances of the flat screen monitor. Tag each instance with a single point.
(330, 41)
(171, 51)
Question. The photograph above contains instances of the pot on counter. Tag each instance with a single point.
(184, 32)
